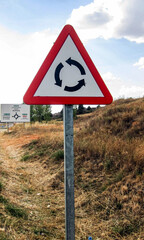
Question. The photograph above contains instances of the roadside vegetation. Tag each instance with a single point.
(109, 176)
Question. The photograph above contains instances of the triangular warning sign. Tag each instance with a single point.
(68, 75)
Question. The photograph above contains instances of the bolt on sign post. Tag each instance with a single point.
(68, 76)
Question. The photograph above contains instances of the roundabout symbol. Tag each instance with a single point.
(58, 81)
(16, 116)
(67, 75)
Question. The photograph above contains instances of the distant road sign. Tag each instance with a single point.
(68, 75)
(15, 113)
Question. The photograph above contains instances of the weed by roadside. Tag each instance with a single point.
(16, 211)
(1, 186)
(58, 155)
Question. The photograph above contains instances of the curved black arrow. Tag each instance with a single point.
(76, 87)
(77, 64)
(57, 73)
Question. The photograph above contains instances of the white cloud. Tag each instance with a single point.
(140, 63)
(132, 24)
(20, 58)
(132, 91)
(113, 83)
(110, 19)
(118, 88)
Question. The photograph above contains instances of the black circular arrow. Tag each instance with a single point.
(57, 73)
(77, 64)
(58, 81)
(76, 87)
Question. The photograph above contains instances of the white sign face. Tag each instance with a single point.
(15, 113)
(69, 75)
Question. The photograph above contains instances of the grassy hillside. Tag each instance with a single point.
(109, 178)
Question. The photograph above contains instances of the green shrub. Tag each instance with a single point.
(1, 186)
(16, 211)
(25, 157)
(3, 199)
(108, 164)
(3, 236)
(125, 229)
(58, 155)
(32, 144)
(41, 231)
(119, 177)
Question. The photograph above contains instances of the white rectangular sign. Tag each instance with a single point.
(15, 113)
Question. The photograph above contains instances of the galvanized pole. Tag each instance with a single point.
(69, 173)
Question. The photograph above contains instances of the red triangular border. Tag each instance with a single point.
(29, 97)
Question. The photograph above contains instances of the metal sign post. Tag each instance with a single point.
(69, 172)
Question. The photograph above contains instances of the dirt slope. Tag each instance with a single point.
(109, 179)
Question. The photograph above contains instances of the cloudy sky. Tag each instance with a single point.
(112, 32)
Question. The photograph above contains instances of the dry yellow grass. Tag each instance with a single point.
(109, 179)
